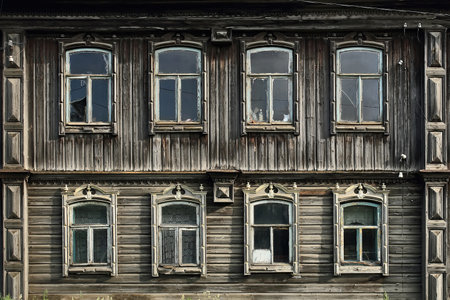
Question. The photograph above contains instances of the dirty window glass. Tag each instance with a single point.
(90, 214)
(271, 213)
(89, 62)
(79, 246)
(179, 214)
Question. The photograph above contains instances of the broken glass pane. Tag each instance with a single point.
(77, 100)
(259, 101)
(360, 62)
(348, 99)
(168, 246)
(167, 104)
(90, 214)
(350, 252)
(189, 100)
(89, 62)
(282, 100)
(271, 61)
(360, 215)
(100, 245)
(100, 100)
(189, 246)
(370, 244)
(271, 213)
(281, 245)
(177, 61)
(261, 238)
(371, 100)
(79, 246)
(179, 214)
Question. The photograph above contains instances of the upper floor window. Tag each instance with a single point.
(359, 85)
(270, 230)
(89, 232)
(178, 232)
(361, 232)
(270, 91)
(269, 85)
(88, 84)
(88, 102)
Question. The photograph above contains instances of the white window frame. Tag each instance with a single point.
(86, 195)
(361, 194)
(270, 193)
(78, 43)
(178, 194)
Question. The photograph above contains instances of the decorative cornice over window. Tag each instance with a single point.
(89, 230)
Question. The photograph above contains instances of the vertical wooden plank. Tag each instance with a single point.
(340, 152)
(359, 152)
(281, 151)
(174, 158)
(252, 152)
(165, 151)
(185, 151)
(215, 128)
(310, 89)
(98, 154)
(349, 152)
(157, 152)
(368, 153)
(271, 153)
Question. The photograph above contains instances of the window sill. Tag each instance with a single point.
(167, 270)
(160, 128)
(100, 269)
(272, 268)
(360, 269)
(349, 127)
(87, 128)
(269, 128)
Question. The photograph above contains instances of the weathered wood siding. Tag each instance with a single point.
(224, 147)
(225, 248)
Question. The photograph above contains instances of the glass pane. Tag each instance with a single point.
(77, 100)
(89, 62)
(271, 213)
(189, 100)
(370, 244)
(360, 215)
(261, 237)
(359, 62)
(100, 245)
(189, 247)
(80, 246)
(350, 245)
(168, 246)
(259, 100)
(100, 100)
(90, 214)
(281, 245)
(179, 214)
(167, 100)
(282, 100)
(348, 99)
(178, 61)
(371, 100)
(271, 61)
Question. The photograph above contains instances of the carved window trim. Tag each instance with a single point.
(89, 194)
(360, 41)
(93, 42)
(177, 41)
(178, 194)
(365, 195)
(270, 193)
(263, 41)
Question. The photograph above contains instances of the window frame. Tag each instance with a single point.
(80, 43)
(269, 41)
(177, 42)
(276, 194)
(86, 195)
(348, 43)
(361, 194)
(178, 194)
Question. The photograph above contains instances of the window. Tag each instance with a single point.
(178, 232)
(87, 87)
(360, 83)
(178, 101)
(361, 237)
(89, 231)
(270, 230)
(270, 86)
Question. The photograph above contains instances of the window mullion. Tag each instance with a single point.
(359, 243)
(89, 245)
(178, 248)
(89, 99)
(360, 99)
(271, 244)
(270, 98)
(178, 98)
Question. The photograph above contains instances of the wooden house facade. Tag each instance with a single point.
(252, 149)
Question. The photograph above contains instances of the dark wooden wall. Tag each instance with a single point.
(225, 248)
(223, 147)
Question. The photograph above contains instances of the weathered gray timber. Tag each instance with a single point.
(315, 149)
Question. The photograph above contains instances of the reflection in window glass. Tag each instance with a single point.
(370, 244)
(100, 245)
(179, 214)
(259, 100)
(360, 215)
(189, 246)
(89, 62)
(371, 100)
(271, 61)
(178, 71)
(100, 100)
(80, 246)
(271, 213)
(282, 100)
(349, 99)
(360, 62)
(168, 246)
(90, 214)
(77, 92)
(261, 239)
(281, 245)
(350, 252)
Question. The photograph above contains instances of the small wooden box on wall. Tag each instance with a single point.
(223, 185)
